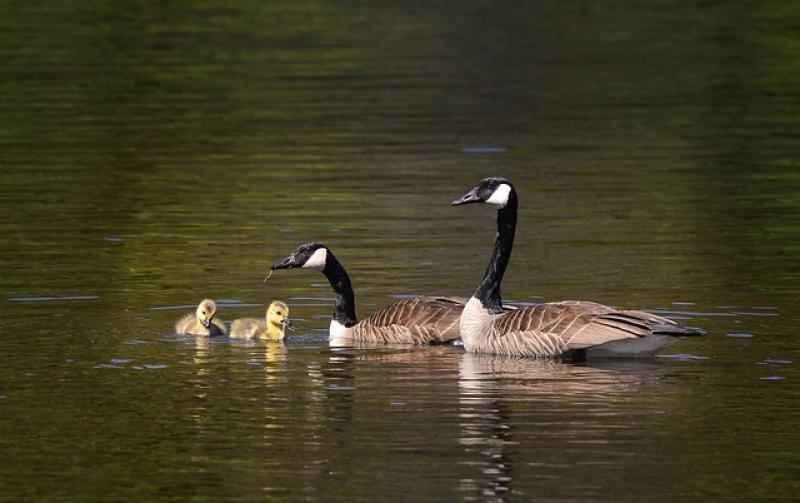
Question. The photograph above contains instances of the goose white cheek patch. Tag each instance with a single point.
(499, 197)
(317, 260)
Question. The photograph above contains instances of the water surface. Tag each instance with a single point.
(153, 155)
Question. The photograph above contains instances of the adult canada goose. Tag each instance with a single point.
(272, 327)
(201, 322)
(424, 320)
(568, 327)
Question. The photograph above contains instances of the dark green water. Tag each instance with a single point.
(153, 154)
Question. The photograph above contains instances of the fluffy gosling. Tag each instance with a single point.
(271, 328)
(201, 322)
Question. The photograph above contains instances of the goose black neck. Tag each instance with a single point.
(489, 290)
(345, 308)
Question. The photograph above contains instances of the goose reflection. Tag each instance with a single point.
(489, 384)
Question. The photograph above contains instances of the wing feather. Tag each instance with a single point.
(421, 320)
(554, 328)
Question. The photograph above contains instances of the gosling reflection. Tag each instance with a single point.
(487, 386)
(257, 371)
(202, 356)
(201, 383)
(269, 357)
(274, 356)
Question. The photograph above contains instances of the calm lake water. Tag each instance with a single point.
(157, 153)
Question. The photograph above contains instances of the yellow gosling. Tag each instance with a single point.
(271, 328)
(202, 322)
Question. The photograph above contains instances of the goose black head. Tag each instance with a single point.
(308, 256)
(494, 191)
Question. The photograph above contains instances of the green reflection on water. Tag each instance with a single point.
(156, 154)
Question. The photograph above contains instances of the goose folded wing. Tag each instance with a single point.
(603, 324)
(423, 320)
(557, 327)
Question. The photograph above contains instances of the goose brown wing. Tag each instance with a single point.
(551, 329)
(423, 320)
(556, 327)
(660, 325)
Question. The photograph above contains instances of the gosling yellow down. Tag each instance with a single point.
(201, 322)
(271, 328)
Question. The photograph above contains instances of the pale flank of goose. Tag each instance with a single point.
(271, 328)
(201, 322)
(423, 320)
(566, 328)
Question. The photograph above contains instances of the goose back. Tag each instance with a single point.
(247, 328)
(421, 320)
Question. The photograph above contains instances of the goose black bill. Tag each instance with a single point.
(469, 197)
(287, 263)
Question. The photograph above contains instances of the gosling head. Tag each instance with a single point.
(495, 191)
(308, 256)
(206, 311)
(278, 316)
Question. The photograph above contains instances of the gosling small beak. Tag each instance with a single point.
(287, 323)
(206, 323)
(287, 263)
(469, 197)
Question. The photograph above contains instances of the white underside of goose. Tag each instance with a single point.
(641, 347)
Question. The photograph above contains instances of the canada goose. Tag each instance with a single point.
(570, 328)
(424, 320)
(270, 328)
(201, 322)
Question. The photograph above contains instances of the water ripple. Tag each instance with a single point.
(44, 298)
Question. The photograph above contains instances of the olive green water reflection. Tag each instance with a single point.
(155, 154)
